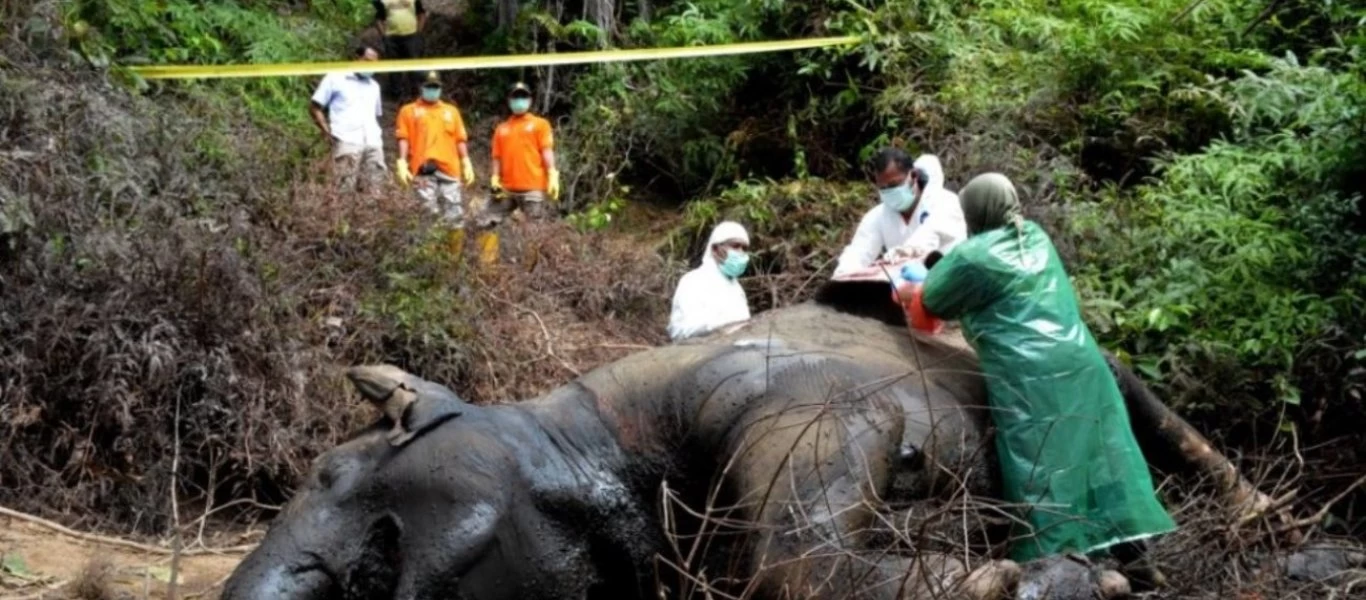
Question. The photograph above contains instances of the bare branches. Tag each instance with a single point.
(112, 541)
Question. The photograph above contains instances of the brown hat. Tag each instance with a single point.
(433, 78)
(519, 88)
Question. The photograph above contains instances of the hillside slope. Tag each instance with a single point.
(177, 290)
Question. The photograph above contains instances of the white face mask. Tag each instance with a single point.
(898, 198)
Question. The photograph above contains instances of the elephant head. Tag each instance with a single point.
(329, 541)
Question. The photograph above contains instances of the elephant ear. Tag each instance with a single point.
(375, 569)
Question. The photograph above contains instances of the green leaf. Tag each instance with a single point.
(1149, 367)
(15, 565)
(162, 574)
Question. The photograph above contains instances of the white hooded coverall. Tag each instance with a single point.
(706, 299)
(936, 224)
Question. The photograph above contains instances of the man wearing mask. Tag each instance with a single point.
(709, 297)
(400, 24)
(916, 215)
(523, 170)
(346, 107)
(432, 151)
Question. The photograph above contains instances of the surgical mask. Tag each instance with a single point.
(734, 264)
(898, 198)
(431, 94)
(519, 105)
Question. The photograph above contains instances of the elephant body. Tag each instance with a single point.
(783, 441)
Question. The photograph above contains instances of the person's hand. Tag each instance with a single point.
(469, 173)
(496, 182)
(554, 189)
(405, 177)
(902, 254)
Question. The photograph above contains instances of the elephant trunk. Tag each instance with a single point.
(272, 574)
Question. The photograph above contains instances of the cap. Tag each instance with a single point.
(432, 78)
(519, 87)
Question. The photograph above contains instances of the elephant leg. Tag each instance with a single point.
(436, 561)
(811, 476)
(1171, 442)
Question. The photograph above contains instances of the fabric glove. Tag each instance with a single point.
(554, 189)
(469, 173)
(405, 177)
(496, 183)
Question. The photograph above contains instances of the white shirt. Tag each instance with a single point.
(706, 300)
(936, 224)
(353, 108)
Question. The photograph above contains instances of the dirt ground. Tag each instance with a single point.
(39, 563)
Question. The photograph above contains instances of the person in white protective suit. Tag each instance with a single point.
(709, 297)
(915, 217)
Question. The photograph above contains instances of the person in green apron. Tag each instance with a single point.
(1066, 449)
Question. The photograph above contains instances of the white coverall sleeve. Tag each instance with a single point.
(688, 315)
(944, 227)
(864, 248)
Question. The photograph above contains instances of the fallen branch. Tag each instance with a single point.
(1319, 516)
(549, 344)
(171, 586)
(110, 541)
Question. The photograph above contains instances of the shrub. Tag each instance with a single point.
(1247, 253)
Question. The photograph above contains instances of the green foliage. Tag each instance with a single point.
(1238, 253)
(660, 115)
(219, 32)
(420, 292)
(796, 227)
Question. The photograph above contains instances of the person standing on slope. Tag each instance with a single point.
(524, 172)
(432, 151)
(1064, 442)
(709, 297)
(400, 24)
(915, 217)
(346, 108)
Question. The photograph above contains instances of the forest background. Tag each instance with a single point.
(178, 287)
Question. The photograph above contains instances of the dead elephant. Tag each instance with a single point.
(795, 428)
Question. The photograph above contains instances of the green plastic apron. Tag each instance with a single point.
(1063, 435)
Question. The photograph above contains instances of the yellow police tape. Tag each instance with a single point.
(479, 62)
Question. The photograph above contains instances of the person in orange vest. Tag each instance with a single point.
(523, 170)
(432, 152)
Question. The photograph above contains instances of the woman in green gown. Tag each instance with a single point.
(1067, 452)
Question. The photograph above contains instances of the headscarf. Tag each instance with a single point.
(724, 231)
(989, 202)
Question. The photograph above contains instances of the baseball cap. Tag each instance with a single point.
(518, 89)
(433, 78)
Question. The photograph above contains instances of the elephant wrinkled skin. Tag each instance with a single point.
(808, 417)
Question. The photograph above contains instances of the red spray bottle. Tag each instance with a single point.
(908, 288)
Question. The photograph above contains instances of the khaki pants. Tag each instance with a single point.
(532, 204)
(441, 196)
(354, 163)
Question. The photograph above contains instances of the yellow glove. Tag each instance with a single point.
(554, 189)
(496, 183)
(469, 173)
(405, 177)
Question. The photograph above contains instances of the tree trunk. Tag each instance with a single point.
(601, 13)
(507, 12)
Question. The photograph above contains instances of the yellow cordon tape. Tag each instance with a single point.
(479, 62)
